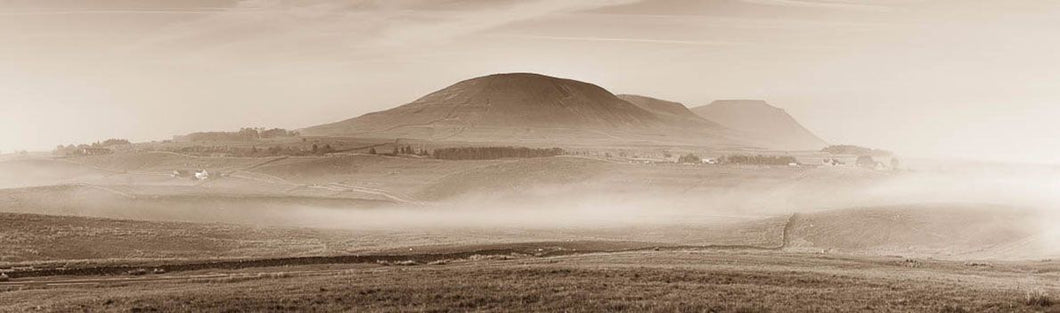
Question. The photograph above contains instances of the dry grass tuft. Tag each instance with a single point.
(1039, 299)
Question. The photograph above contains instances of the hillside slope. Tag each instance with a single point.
(672, 112)
(763, 122)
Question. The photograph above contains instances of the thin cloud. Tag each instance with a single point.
(112, 12)
(700, 43)
(330, 31)
(846, 5)
(629, 40)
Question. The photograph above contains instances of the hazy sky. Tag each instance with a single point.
(973, 79)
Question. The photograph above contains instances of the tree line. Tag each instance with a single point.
(492, 153)
(244, 134)
(72, 149)
(758, 159)
(255, 151)
(402, 150)
(855, 150)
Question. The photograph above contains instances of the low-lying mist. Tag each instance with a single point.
(619, 201)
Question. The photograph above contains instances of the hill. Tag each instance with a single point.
(672, 112)
(762, 122)
(521, 107)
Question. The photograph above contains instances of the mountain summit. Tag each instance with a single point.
(762, 121)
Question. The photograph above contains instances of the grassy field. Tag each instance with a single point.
(635, 237)
(952, 232)
(665, 281)
(43, 239)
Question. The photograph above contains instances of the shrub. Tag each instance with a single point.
(690, 158)
(1039, 299)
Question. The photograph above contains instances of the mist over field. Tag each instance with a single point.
(737, 156)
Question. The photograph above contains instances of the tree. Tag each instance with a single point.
(865, 161)
(315, 149)
(690, 158)
(371, 150)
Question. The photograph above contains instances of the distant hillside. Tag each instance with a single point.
(762, 121)
(672, 112)
(522, 107)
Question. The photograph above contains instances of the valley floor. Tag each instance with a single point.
(683, 280)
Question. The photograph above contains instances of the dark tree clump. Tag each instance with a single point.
(492, 153)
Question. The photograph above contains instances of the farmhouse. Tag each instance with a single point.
(197, 175)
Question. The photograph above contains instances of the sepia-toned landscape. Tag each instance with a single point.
(501, 191)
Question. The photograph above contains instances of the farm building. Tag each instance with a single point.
(198, 174)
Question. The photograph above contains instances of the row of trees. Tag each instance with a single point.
(758, 159)
(403, 150)
(855, 150)
(244, 134)
(72, 149)
(492, 153)
(255, 151)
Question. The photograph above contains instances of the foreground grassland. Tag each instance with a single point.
(678, 281)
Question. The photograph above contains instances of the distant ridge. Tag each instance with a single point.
(671, 111)
(521, 107)
(765, 123)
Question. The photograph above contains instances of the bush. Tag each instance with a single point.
(690, 158)
(1038, 299)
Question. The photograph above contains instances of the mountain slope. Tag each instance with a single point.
(672, 112)
(522, 107)
(771, 126)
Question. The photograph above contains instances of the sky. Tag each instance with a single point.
(966, 79)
